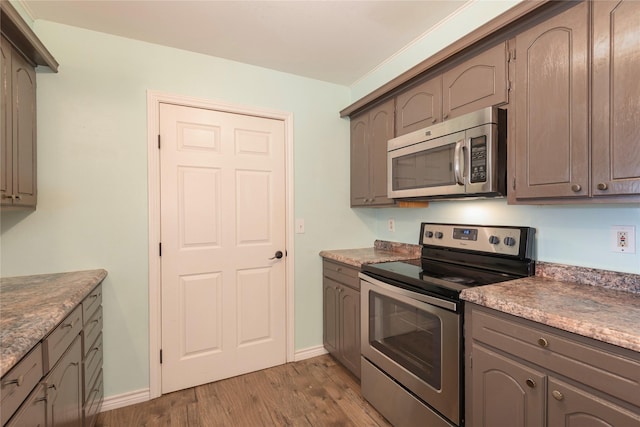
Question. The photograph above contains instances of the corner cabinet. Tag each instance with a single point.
(341, 314)
(370, 132)
(577, 141)
(524, 374)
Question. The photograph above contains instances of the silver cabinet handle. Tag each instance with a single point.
(18, 381)
(557, 395)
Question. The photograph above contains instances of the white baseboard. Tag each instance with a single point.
(308, 353)
(139, 396)
(125, 399)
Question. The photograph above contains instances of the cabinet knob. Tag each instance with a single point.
(542, 342)
(557, 395)
(531, 383)
(576, 188)
(603, 186)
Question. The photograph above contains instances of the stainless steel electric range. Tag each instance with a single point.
(412, 318)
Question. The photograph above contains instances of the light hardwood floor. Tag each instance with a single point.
(313, 392)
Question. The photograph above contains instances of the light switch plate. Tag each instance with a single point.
(299, 226)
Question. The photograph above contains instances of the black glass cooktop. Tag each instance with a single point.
(434, 277)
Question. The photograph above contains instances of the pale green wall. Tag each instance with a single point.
(92, 176)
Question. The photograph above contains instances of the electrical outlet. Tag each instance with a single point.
(392, 225)
(623, 239)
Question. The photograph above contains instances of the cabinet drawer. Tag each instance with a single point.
(91, 303)
(342, 273)
(91, 331)
(19, 381)
(59, 340)
(92, 364)
(95, 396)
(603, 367)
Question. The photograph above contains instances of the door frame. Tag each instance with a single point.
(154, 99)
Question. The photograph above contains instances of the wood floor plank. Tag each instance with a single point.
(309, 393)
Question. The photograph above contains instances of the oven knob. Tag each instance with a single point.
(439, 235)
(494, 240)
(428, 234)
(509, 241)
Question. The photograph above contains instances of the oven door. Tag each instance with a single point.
(415, 339)
(429, 168)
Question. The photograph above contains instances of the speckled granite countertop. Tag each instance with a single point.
(32, 306)
(382, 251)
(598, 304)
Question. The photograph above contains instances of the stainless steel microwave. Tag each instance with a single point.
(462, 157)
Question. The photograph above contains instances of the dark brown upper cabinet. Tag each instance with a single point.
(419, 106)
(20, 52)
(370, 132)
(478, 82)
(615, 138)
(577, 142)
(18, 138)
(550, 145)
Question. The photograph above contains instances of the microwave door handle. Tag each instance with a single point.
(457, 156)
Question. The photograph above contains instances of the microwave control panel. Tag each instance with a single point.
(478, 152)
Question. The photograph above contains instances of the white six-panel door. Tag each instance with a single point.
(222, 220)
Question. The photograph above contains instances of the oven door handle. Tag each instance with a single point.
(448, 305)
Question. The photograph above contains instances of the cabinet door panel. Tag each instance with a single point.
(419, 107)
(551, 140)
(506, 393)
(350, 329)
(24, 131)
(572, 407)
(381, 131)
(359, 160)
(616, 91)
(330, 315)
(6, 134)
(477, 83)
(64, 389)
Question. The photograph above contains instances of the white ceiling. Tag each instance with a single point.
(334, 41)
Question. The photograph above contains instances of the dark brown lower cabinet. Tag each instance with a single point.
(341, 314)
(33, 411)
(64, 389)
(523, 374)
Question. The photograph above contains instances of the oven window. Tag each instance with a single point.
(426, 168)
(409, 336)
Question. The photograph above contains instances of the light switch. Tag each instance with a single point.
(299, 226)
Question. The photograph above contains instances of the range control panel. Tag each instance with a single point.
(493, 239)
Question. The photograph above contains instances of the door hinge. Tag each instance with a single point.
(160, 249)
(508, 85)
(512, 55)
(158, 141)
(513, 185)
(160, 356)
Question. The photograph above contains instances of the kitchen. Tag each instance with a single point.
(92, 166)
